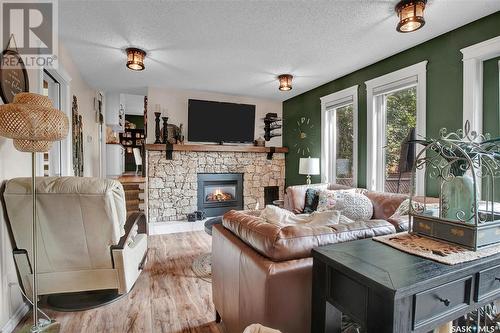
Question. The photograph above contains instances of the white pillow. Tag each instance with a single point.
(276, 215)
(282, 217)
(352, 205)
(328, 217)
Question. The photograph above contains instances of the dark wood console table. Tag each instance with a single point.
(387, 290)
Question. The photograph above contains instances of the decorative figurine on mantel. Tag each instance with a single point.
(464, 164)
(165, 129)
(157, 128)
(179, 135)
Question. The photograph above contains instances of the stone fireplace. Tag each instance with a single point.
(173, 180)
(218, 193)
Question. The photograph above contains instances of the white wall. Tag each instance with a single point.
(133, 104)
(176, 102)
(112, 108)
(85, 96)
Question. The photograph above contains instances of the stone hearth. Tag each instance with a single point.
(172, 184)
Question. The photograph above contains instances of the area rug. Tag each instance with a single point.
(202, 267)
(435, 250)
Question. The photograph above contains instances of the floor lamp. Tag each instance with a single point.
(34, 124)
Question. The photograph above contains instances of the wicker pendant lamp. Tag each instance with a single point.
(34, 124)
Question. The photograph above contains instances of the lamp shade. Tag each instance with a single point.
(309, 166)
(32, 122)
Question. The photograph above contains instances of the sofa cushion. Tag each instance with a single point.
(385, 204)
(280, 243)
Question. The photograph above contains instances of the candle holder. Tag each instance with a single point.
(165, 129)
(157, 127)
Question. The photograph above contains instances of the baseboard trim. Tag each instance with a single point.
(21, 311)
(163, 228)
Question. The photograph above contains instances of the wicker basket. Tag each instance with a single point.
(32, 122)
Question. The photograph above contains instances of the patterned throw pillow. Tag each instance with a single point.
(328, 198)
(351, 204)
(312, 199)
(404, 208)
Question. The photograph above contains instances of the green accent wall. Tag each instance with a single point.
(444, 92)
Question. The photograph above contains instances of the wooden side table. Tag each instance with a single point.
(387, 290)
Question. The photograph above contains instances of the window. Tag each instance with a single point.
(399, 110)
(473, 57)
(339, 153)
(395, 113)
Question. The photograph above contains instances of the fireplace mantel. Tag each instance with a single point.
(215, 148)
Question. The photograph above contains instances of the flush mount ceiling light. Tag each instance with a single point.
(135, 59)
(285, 82)
(411, 15)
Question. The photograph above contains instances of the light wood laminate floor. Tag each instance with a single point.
(167, 297)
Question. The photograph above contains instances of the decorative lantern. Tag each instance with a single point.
(411, 15)
(285, 82)
(465, 166)
(135, 59)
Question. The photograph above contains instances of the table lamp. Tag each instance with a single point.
(34, 124)
(309, 166)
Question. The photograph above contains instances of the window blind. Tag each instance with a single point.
(396, 85)
(339, 103)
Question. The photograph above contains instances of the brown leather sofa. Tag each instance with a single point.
(262, 272)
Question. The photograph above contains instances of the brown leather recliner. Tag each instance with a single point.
(262, 273)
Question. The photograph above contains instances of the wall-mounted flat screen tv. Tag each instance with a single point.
(210, 121)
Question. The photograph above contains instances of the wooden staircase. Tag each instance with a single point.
(134, 192)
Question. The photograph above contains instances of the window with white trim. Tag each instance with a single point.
(339, 149)
(395, 113)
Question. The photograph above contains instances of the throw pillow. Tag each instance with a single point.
(352, 205)
(328, 217)
(327, 198)
(276, 215)
(282, 217)
(404, 207)
(312, 199)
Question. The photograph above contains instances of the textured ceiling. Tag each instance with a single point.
(238, 47)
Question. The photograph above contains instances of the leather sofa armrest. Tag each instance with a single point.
(138, 219)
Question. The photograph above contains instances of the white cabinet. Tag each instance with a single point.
(115, 156)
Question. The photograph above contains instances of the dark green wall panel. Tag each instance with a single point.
(444, 91)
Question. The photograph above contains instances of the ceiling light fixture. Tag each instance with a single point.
(411, 15)
(135, 59)
(285, 82)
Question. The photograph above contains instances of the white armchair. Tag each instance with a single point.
(86, 242)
